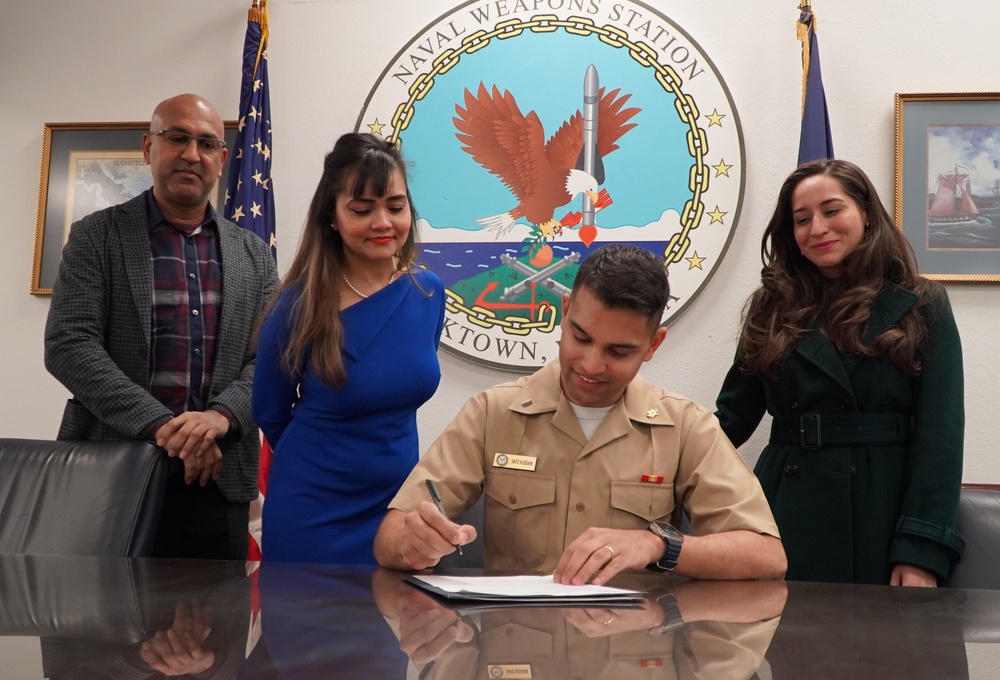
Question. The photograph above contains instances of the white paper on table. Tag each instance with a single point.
(519, 588)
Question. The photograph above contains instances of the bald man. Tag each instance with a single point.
(150, 330)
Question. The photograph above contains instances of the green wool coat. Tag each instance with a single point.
(848, 512)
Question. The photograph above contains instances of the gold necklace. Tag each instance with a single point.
(361, 295)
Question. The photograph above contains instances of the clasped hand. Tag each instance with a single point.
(192, 436)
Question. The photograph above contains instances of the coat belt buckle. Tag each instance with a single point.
(810, 431)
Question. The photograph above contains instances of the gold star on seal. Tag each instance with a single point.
(652, 413)
(717, 215)
(376, 127)
(694, 261)
(721, 169)
(715, 118)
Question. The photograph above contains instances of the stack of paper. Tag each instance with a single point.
(521, 590)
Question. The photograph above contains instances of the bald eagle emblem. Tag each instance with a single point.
(543, 175)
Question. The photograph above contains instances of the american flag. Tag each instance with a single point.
(249, 196)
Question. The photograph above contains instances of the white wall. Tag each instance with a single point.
(107, 60)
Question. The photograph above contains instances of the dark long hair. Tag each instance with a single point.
(356, 163)
(794, 294)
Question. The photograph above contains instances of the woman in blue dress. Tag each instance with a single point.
(346, 354)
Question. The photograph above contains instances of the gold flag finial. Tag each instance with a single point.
(802, 26)
(258, 14)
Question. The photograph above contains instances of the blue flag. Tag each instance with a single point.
(815, 140)
(249, 195)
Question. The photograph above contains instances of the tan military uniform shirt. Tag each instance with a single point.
(521, 445)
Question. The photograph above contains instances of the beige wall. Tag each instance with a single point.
(105, 60)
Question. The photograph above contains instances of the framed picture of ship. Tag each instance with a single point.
(947, 189)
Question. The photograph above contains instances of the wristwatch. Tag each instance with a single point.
(674, 540)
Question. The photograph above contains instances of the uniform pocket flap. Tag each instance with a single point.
(517, 490)
(648, 501)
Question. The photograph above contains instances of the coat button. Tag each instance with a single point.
(791, 469)
(795, 406)
(580, 507)
(846, 405)
(513, 499)
(854, 470)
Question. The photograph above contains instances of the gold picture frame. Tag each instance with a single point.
(947, 182)
(87, 167)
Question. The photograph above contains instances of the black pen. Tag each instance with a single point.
(436, 497)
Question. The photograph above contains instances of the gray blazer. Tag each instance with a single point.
(97, 337)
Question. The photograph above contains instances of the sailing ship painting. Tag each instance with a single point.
(963, 210)
(952, 204)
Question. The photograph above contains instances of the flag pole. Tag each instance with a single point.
(250, 193)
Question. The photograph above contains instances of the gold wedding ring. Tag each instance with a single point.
(608, 548)
(611, 619)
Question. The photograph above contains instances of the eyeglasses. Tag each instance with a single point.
(180, 140)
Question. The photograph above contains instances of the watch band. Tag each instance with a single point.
(673, 539)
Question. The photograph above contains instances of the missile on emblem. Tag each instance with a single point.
(591, 98)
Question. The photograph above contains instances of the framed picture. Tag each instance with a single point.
(947, 198)
(87, 167)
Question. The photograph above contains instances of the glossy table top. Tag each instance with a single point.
(72, 617)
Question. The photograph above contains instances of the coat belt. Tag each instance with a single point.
(812, 431)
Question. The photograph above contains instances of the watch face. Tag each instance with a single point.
(665, 530)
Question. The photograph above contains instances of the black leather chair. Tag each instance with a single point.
(99, 498)
(979, 526)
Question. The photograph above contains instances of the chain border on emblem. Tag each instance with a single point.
(687, 109)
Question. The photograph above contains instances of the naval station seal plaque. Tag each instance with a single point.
(538, 130)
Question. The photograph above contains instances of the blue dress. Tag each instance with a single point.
(340, 454)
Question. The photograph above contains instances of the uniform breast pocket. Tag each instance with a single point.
(635, 504)
(519, 508)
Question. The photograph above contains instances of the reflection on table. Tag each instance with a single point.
(122, 618)
(689, 630)
(126, 618)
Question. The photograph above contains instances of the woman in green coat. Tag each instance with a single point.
(858, 361)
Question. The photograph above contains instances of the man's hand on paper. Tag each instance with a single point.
(428, 536)
(599, 554)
